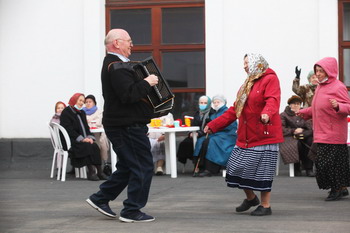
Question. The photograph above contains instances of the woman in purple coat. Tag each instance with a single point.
(329, 111)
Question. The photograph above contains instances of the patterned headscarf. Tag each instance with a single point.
(257, 65)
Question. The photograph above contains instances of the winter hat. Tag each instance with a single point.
(294, 99)
(219, 97)
(310, 75)
(92, 98)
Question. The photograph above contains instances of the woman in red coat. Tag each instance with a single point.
(252, 163)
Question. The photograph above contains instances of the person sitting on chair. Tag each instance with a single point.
(84, 151)
(298, 136)
(201, 117)
(59, 106)
(220, 144)
(94, 119)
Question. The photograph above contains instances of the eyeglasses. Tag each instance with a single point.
(130, 41)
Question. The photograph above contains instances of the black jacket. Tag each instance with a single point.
(70, 121)
(124, 96)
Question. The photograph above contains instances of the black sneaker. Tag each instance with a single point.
(247, 204)
(261, 211)
(136, 217)
(102, 208)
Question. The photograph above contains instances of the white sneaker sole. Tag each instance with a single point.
(99, 209)
(131, 220)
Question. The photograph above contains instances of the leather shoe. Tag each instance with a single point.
(345, 192)
(247, 204)
(334, 195)
(102, 176)
(261, 211)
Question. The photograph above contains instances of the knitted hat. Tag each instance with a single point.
(219, 97)
(92, 98)
(294, 99)
(310, 75)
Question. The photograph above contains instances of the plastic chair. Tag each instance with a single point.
(56, 148)
(291, 166)
(62, 166)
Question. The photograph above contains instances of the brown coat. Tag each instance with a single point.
(290, 122)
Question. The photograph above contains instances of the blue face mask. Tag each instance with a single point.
(75, 106)
(202, 107)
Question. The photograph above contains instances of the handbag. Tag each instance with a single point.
(289, 150)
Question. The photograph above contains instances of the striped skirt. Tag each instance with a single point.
(252, 168)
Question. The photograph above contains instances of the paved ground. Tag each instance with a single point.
(32, 202)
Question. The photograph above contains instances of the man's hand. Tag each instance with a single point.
(297, 72)
(152, 80)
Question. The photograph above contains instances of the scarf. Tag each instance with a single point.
(90, 111)
(257, 66)
(204, 114)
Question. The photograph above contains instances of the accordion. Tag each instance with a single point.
(160, 97)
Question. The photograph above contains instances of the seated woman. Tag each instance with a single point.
(58, 110)
(158, 151)
(298, 137)
(220, 144)
(94, 119)
(84, 151)
(201, 118)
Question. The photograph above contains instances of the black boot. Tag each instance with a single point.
(100, 173)
(92, 173)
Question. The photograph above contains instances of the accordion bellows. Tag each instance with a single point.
(161, 97)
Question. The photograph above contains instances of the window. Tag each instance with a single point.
(171, 31)
(344, 41)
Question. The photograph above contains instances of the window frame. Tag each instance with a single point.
(156, 47)
(342, 44)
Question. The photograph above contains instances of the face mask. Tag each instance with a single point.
(218, 107)
(76, 106)
(202, 107)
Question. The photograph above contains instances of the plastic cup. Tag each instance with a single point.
(176, 124)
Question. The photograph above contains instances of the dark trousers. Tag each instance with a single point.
(134, 168)
(303, 152)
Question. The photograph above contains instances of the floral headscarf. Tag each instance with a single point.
(257, 65)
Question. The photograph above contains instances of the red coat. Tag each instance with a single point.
(264, 98)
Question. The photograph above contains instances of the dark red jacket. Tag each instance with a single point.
(264, 98)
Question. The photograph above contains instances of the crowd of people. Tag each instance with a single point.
(311, 133)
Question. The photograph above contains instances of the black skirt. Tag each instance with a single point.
(84, 153)
(332, 166)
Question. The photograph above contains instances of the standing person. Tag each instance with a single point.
(252, 163)
(125, 116)
(329, 111)
(298, 137)
(307, 91)
(94, 119)
(59, 106)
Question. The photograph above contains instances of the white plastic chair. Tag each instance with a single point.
(56, 151)
(291, 166)
(62, 166)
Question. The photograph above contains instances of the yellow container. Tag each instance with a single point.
(188, 121)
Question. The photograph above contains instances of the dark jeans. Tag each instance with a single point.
(134, 168)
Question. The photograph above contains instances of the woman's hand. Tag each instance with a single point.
(265, 118)
(88, 140)
(298, 131)
(207, 130)
(334, 104)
